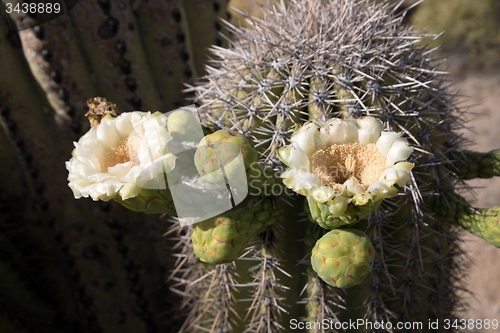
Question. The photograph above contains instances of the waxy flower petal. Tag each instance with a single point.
(121, 155)
(354, 166)
(307, 138)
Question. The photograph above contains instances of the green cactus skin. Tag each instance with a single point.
(321, 298)
(110, 27)
(56, 206)
(15, 293)
(342, 257)
(61, 69)
(482, 222)
(222, 239)
(150, 202)
(281, 73)
(473, 164)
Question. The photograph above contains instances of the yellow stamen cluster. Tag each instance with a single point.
(337, 163)
(125, 151)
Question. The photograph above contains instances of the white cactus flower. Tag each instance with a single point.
(121, 156)
(345, 162)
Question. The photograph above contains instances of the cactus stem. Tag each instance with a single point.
(471, 164)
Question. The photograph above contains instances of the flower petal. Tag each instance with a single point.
(353, 186)
(298, 180)
(153, 175)
(338, 131)
(85, 175)
(376, 188)
(403, 170)
(298, 159)
(307, 138)
(362, 199)
(369, 130)
(129, 190)
(385, 142)
(392, 176)
(322, 193)
(106, 133)
(124, 125)
(400, 151)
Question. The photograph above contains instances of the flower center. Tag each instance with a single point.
(125, 151)
(337, 163)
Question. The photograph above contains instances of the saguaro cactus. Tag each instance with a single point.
(346, 68)
(313, 61)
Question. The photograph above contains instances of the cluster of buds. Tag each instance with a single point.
(345, 168)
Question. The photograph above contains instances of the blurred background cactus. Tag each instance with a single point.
(71, 265)
(470, 28)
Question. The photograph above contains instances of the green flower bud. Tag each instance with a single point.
(227, 155)
(223, 238)
(342, 257)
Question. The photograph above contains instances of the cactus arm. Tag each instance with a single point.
(202, 18)
(44, 165)
(266, 309)
(187, 278)
(8, 325)
(472, 164)
(16, 298)
(164, 37)
(482, 222)
(272, 278)
(18, 212)
(61, 70)
(206, 288)
(124, 76)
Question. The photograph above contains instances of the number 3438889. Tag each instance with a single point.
(471, 324)
(39, 8)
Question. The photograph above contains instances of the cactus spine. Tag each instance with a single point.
(317, 60)
(305, 61)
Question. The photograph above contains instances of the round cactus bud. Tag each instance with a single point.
(223, 238)
(185, 129)
(342, 257)
(182, 124)
(228, 156)
(221, 154)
